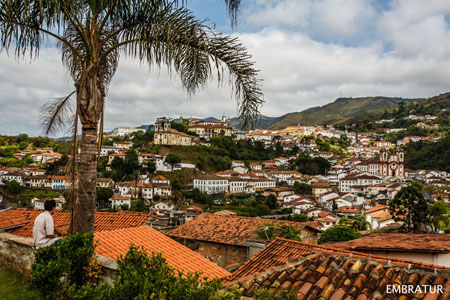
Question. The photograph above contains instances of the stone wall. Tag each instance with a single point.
(17, 253)
(223, 255)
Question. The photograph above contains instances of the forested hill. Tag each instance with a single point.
(438, 106)
(339, 111)
(428, 156)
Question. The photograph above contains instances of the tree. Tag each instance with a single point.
(131, 161)
(360, 223)
(338, 234)
(13, 187)
(93, 34)
(172, 159)
(272, 201)
(271, 230)
(302, 188)
(103, 195)
(438, 213)
(410, 206)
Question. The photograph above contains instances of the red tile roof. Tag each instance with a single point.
(226, 229)
(377, 208)
(320, 272)
(115, 243)
(61, 219)
(404, 242)
(9, 222)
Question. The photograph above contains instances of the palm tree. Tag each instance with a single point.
(92, 34)
(360, 223)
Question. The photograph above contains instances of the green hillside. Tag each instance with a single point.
(438, 106)
(339, 111)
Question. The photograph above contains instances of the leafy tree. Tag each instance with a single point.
(93, 34)
(131, 161)
(360, 223)
(103, 195)
(410, 206)
(312, 166)
(138, 205)
(119, 169)
(261, 209)
(438, 213)
(151, 167)
(13, 187)
(272, 201)
(338, 234)
(271, 230)
(172, 159)
(302, 188)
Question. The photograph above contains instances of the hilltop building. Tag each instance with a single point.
(166, 135)
(210, 128)
(123, 131)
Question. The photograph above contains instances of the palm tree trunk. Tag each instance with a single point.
(84, 208)
(90, 100)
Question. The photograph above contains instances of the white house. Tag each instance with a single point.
(117, 201)
(211, 184)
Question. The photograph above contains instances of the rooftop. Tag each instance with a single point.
(61, 219)
(225, 229)
(404, 242)
(318, 272)
(112, 244)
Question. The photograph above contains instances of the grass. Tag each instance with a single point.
(13, 286)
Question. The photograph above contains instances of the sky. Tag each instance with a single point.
(309, 52)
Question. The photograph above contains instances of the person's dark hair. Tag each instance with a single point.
(49, 205)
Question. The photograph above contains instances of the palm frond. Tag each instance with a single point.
(166, 35)
(56, 114)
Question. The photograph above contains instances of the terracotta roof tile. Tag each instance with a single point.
(61, 219)
(410, 242)
(281, 251)
(329, 273)
(115, 243)
(226, 229)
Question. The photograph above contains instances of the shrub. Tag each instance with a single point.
(70, 263)
(338, 234)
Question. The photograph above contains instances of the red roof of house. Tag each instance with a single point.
(61, 219)
(112, 244)
(226, 229)
(9, 222)
(284, 252)
(377, 208)
(400, 242)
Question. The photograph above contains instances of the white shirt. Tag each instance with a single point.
(43, 226)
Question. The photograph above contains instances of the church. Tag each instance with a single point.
(388, 164)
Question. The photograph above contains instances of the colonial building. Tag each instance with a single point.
(211, 184)
(165, 135)
(387, 165)
(210, 128)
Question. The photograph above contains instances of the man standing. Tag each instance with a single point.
(43, 229)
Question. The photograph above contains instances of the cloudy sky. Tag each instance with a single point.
(309, 52)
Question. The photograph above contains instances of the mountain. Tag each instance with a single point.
(264, 122)
(436, 106)
(338, 111)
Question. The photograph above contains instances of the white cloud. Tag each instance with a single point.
(325, 19)
(301, 47)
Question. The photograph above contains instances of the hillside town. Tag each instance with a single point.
(139, 179)
(226, 216)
